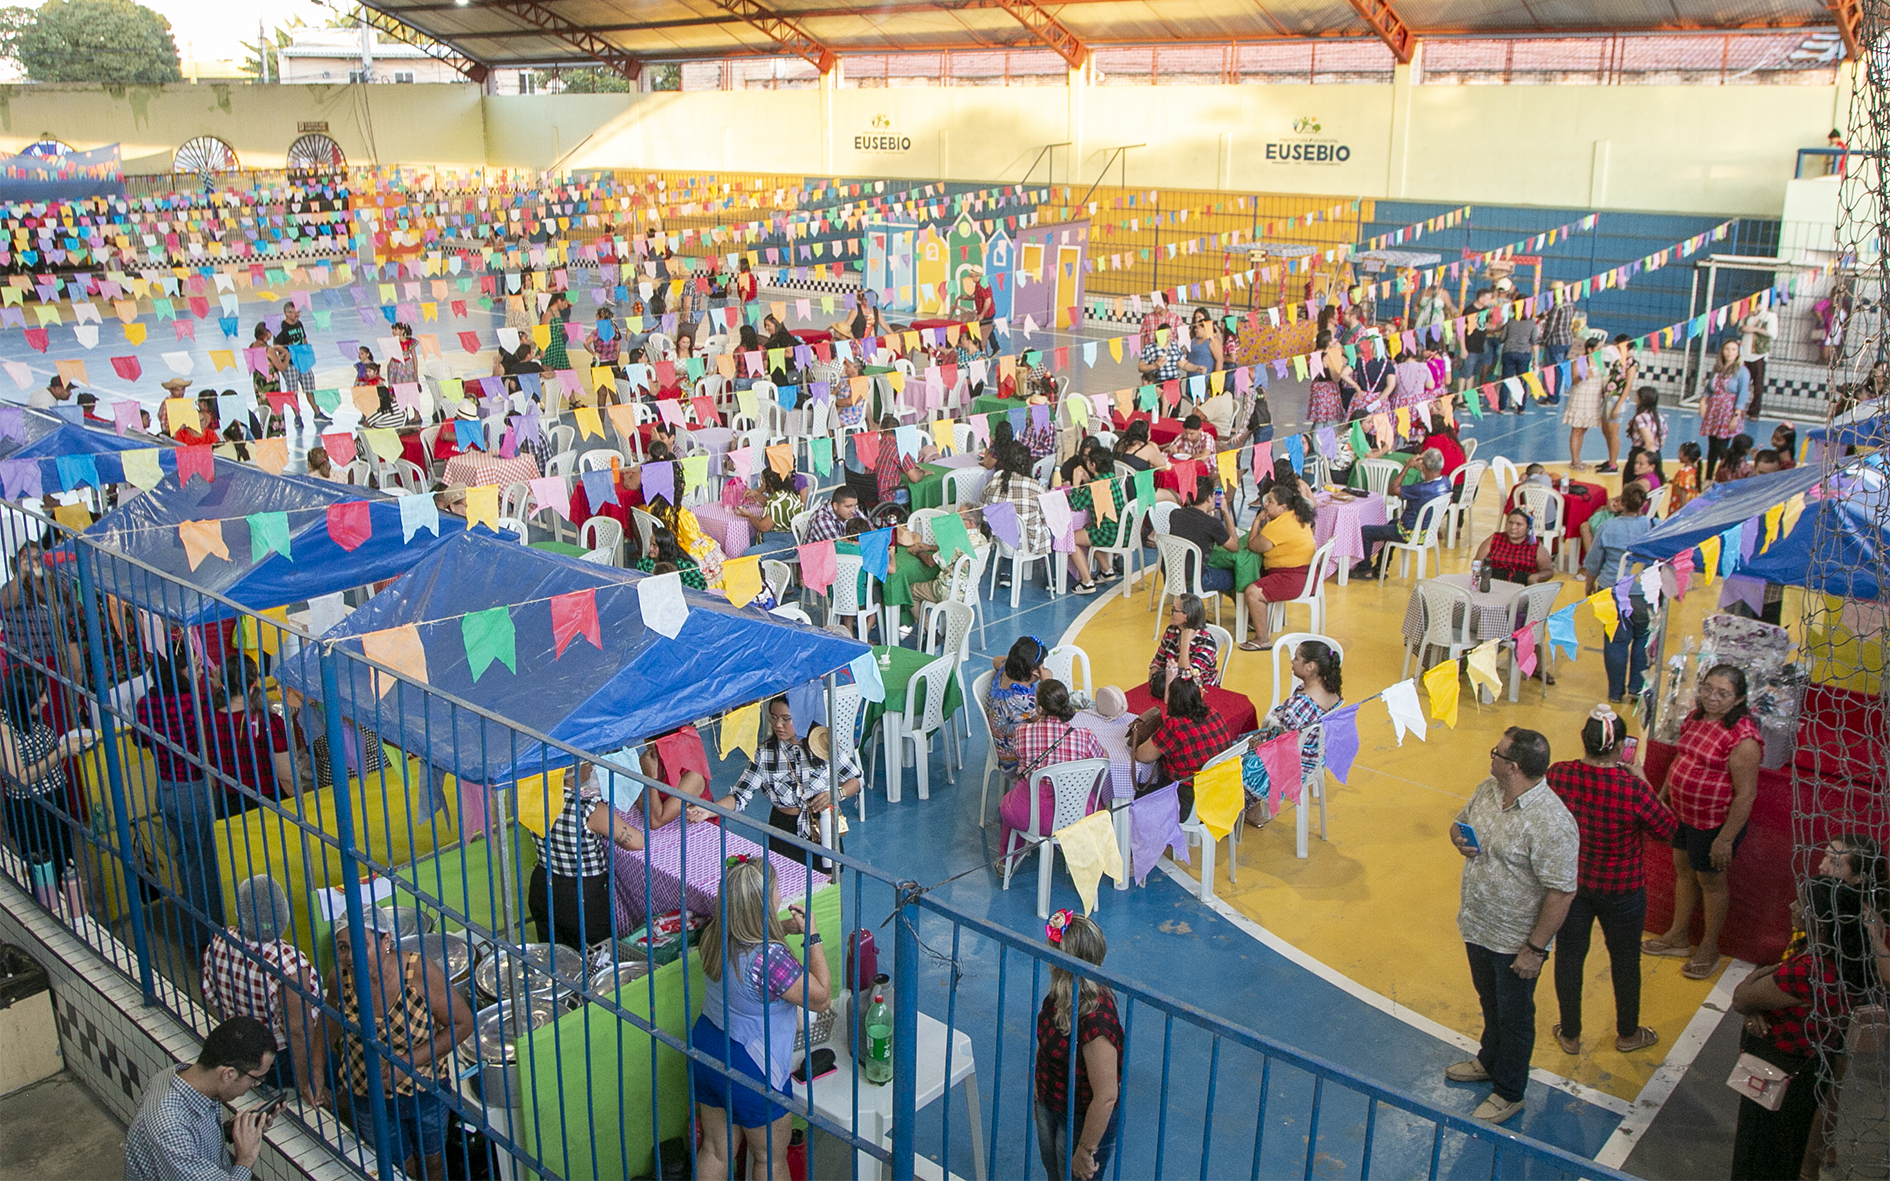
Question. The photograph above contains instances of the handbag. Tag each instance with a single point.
(1760, 1081)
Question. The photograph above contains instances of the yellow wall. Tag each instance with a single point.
(1703, 149)
(384, 124)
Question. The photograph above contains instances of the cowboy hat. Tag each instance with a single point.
(820, 743)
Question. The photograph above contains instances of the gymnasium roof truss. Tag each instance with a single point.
(1850, 19)
(786, 35)
(1389, 26)
(396, 29)
(1048, 29)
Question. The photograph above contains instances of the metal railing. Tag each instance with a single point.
(215, 727)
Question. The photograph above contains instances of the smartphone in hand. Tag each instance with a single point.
(1469, 836)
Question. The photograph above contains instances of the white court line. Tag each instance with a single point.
(1384, 1004)
(1673, 1067)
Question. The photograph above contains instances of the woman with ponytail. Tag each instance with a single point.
(1612, 806)
(1077, 1143)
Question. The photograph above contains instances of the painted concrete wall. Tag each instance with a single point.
(389, 124)
(1699, 149)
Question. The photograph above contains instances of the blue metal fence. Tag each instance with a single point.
(539, 1062)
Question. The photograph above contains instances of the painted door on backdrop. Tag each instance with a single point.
(929, 271)
(899, 268)
(1069, 284)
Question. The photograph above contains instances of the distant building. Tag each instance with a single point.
(335, 55)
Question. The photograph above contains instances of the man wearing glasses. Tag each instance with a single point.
(1521, 848)
(178, 1132)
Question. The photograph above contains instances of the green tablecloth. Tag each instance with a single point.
(1357, 478)
(1243, 562)
(930, 491)
(561, 547)
(989, 403)
(905, 663)
(904, 569)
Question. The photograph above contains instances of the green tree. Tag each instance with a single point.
(597, 80)
(280, 38)
(98, 41)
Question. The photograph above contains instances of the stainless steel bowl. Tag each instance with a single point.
(504, 975)
(447, 949)
(499, 1029)
(606, 982)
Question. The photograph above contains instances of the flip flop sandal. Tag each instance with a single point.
(1660, 947)
(1253, 646)
(1641, 1039)
(1569, 1045)
(1698, 971)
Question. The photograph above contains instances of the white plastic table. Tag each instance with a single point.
(833, 1093)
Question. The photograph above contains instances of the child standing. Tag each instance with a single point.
(1686, 478)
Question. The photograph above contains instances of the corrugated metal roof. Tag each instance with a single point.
(517, 32)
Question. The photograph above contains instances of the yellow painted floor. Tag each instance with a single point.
(1378, 901)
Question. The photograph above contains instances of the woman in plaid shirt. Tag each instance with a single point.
(1182, 734)
(1049, 738)
(1796, 1018)
(1612, 806)
(1710, 786)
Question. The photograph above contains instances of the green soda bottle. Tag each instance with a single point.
(879, 1034)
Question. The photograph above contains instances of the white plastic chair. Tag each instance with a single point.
(598, 460)
(959, 584)
(1469, 449)
(1539, 502)
(797, 525)
(1182, 561)
(1283, 650)
(405, 475)
(847, 602)
(1379, 473)
(601, 533)
(1066, 662)
(843, 730)
(981, 700)
(1469, 478)
(512, 525)
(1446, 623)
(1507, 477)
(564, 463)
(964, 484)
(515, 500)
(646, 529)
(1128, 547)
(1536, 604)
(1657, 501)
(562, 437)
(1021, 561)
(1223, 647)
(1312, 596)
(953, 635)
(1200, 836)
(1421, 542)
(916, 725)
(778, 576)
(1074, 784)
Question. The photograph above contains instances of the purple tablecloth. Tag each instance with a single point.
(1113, 733)
(707, 849)
(1341, 520)
(731, 530)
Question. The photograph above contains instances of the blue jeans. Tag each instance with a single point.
(1621, 916)
(1055, 1153)
(191, 810)
(1624, 654)
(1515, 364)
(1509, 1020)
(416, 1123)
(1371, 535)
(1489, 360)
(1554, 354)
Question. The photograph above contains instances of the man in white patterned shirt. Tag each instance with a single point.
(1521, 849)
(797, 777)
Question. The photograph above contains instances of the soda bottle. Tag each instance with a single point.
(879, 1035)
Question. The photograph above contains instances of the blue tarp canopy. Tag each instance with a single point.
(1836, 546)
(45, 434)
(145, 529)
(640, 684)
(1869, 432)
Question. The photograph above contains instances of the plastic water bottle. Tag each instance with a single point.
(879, 1035)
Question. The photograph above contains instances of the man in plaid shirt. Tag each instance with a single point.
(1612, 806)
(1161, 360)
(829, 522)
(1558, 327)
(243, 974)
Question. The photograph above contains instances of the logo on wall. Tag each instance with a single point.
(881, 139)
(1308, 151)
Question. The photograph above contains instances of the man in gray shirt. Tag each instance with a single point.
(178, 1132)
(1521, 848)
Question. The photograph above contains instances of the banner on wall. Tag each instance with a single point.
(97, 173)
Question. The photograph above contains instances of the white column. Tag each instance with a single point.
(1403, 78)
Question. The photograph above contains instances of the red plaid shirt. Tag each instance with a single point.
(1047, 741)
(1612, 806)
(236, 983)
(1818, 1023)
(1186, 745)
(1699, 783)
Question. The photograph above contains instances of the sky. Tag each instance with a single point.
(215, 29)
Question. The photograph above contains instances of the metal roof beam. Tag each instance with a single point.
(1048, 29)
(1389, 26)
(786, 35)
(464, 63)
(1850, 21)
(541, 17)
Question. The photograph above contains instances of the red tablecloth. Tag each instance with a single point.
(1161, 431)
(1237, 708)
(1583, 499)
(581, 510)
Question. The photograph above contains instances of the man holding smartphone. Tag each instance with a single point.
(1521, 849)
(178, 1132)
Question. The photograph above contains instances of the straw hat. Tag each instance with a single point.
(177, 385)
(820, 743)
